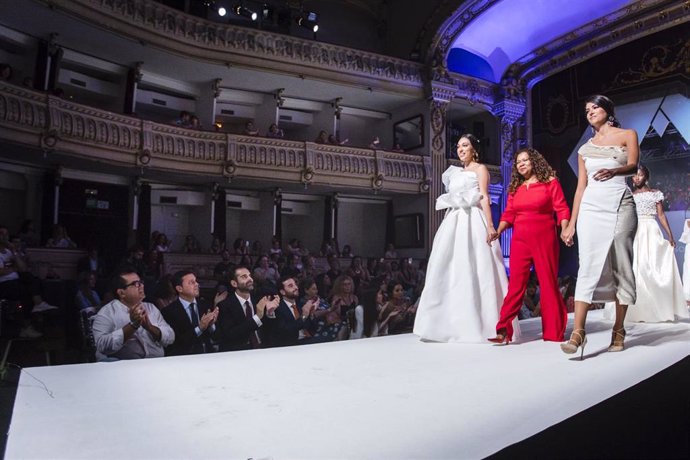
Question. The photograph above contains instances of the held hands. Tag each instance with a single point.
(567, 236)
(137, 314)
(267, 305)
(309, 307)
(492, 235)
(604, 174)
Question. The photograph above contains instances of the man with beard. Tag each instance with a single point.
(240, 316)
(287, 325)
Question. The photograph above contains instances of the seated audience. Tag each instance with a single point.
(217, 246)
(87, 299)
(407, 276)
(192, 320)
(128, 327)
(334, 270)
(91, 262)
(264, 272)
(257, 248)
(60, 239)
(275, 247)
(239, 247)
(286, 325)
(396, 148)
(135, 258)
(359, 274)
(184, 120)
(391, 253)
(404, 314)
(241, 315)
(221, 271)
(28, 235)
(194, 123)
(364, 322)
(162, 244)
(164, 293)
(344, 298)
(191, 245)
(375, 143)
(326, 317)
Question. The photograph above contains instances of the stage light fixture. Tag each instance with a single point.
(309, 20)
(222, 11)
(241, 10)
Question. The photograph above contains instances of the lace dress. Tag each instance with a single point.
(659, 288)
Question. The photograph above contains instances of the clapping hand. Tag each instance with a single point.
(208, 319)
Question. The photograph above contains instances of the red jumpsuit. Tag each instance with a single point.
(530, 211)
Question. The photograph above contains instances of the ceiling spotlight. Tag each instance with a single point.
(246, 12)
(309, 20)
(222, 11)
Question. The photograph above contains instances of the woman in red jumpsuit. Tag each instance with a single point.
(534, 195)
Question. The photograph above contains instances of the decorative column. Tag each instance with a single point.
(280, 100)
(277, 214)
(134, 77)
(509, 113)
(441, 95)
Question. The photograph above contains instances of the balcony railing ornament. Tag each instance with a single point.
(229, 169)
(377, 182)
(49, 140)
(144, 158)
(425, 185)
(307, 176)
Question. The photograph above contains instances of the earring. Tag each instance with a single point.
(611, 120)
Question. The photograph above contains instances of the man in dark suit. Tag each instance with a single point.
(241, 316)
(285, 326)
(192, 321)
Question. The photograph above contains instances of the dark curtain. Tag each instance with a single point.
(328, 212)
(144, 226)
(277, 215)
(47, 207)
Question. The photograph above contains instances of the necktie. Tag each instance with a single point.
(253, 336)
(295, 311)
(195, 317)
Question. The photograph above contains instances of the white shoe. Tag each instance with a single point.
(43, 306)
(29, 332)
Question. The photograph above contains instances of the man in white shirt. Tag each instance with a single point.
(128, 327)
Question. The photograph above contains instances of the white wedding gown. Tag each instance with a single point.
(658, 284)
(465, 279)
(685, 238)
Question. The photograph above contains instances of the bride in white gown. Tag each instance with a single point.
(465, 279)
(659, 289)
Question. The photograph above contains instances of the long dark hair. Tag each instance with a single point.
(370, 312)
(608, 106)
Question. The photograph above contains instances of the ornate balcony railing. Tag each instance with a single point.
(39, 120)
(176, 31)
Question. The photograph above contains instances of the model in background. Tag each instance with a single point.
(659, 288)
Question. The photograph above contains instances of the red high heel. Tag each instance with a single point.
(501, 338)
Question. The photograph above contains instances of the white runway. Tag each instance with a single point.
(391, 397)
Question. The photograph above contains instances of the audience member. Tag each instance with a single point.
(275, 132)
(241, 316)
(344, 298)
(275, 247)
(92, 262)
(28, 235)
(191, 245)
(6, 72)
(194, 123)
(375, 143)
(264, 272)
(396, 148)
(391, 253)
(87, 299)
(135, 259)
(334, 270)
(359, 274)
(250, 130)
(128, 327)
(217, 246)
(221, 271)
(257, 248)
(334, 140)
(327, 318)
(192, 320)
(239, 247)
(364, 322)
(287, 324)
(404, 318)
(347, 252)
(184, 120)
(162, 244)
(322, 138)
(164, 293)
(60, 239)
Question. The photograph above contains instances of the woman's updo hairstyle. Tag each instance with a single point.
(606, 104)
(476, 145)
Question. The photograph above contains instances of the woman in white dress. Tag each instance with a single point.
(604, 212)
(465, 279)
(685, 238)
(659, 289)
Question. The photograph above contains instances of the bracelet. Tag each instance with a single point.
(135, 325)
